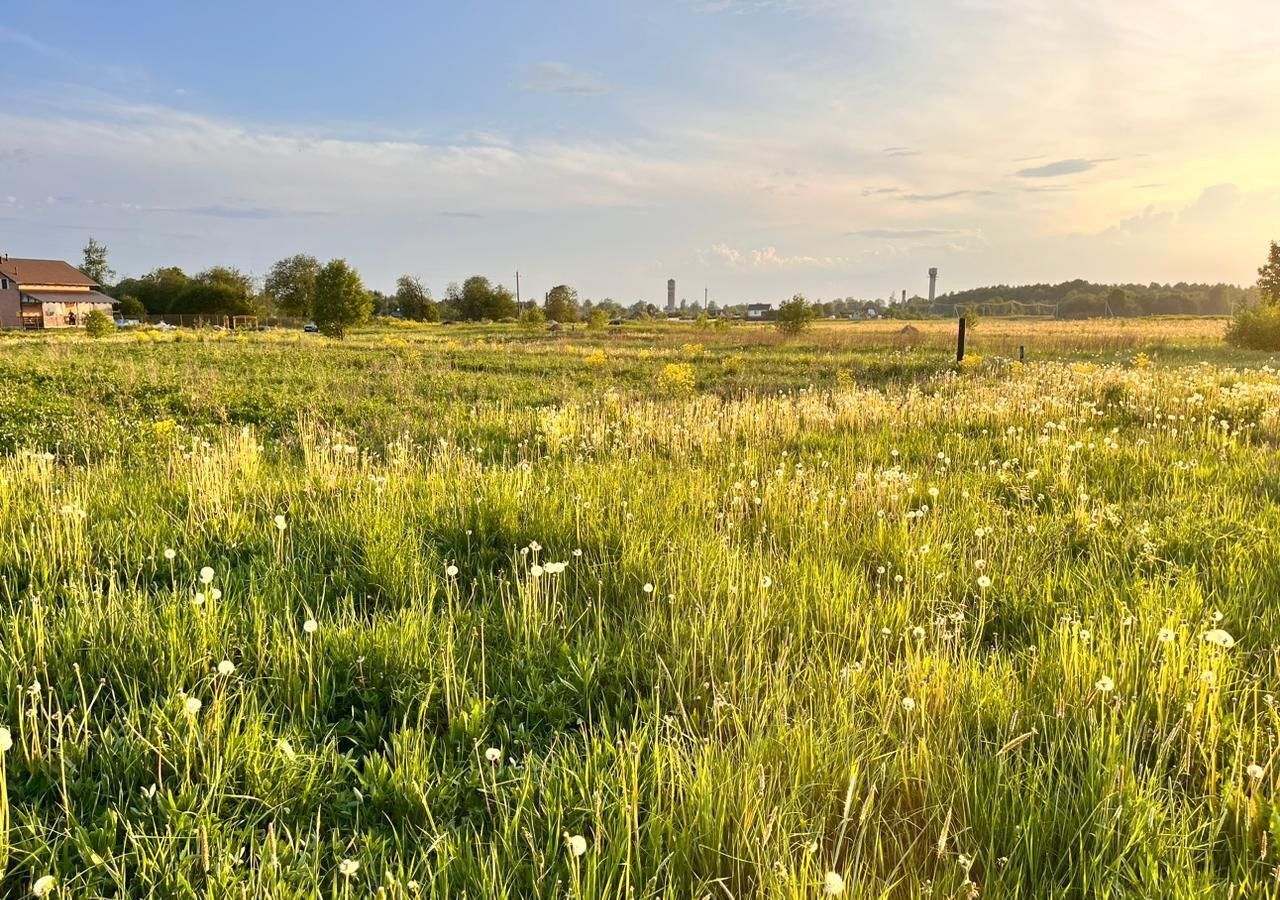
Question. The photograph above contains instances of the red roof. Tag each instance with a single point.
(48, 272)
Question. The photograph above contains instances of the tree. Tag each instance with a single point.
(562, 304)
(291, 285)
(1269, 276)
(341, 300)
(414, 300)
(794, 315)
(479, 299)
(598, 320)
(131, 307)
(95, 262)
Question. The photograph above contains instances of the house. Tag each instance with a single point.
(758, 311)
(47, 293)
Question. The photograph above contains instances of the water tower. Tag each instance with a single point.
(933, 285)
(671, 293)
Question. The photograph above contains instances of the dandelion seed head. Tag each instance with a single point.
(1255, 771)
(310, 626)
(348, 868)
(206, 575)
(494, 755)
(832, 884)
(226, 667)
(1105, 684)
(577, 845)
(1220, 638)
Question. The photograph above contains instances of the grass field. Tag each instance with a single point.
(466, 612)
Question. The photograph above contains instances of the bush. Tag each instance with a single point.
(795, 315)
(598, 320)
(533, 319)
(98, 324)
(1255, 328)
(677, 380)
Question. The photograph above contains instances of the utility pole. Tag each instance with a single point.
(706, 295)
(518, 304)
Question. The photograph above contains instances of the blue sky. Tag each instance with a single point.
(753, 147)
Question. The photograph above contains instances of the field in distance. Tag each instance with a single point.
(656, 611)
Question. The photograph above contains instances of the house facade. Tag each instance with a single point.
(759, 311)
(47, 293)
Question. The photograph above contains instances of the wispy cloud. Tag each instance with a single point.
(948, 195)
(770, 258)
(901, 234)
(26, 41)
(901, 151)
(1062, 167)
(219, 211)
(558, 78)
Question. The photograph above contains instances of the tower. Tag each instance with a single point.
(933, 285)
(671, 293)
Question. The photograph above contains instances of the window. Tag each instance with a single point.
(4, 284)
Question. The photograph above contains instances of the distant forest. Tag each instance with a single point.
(1083, 299)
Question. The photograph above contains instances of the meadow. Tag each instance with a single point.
(649, 612)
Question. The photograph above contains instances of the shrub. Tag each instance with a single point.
(598, 320)
(795, 315)
(533, 319)
(677, 380)
(98, 324)
(1256, 328)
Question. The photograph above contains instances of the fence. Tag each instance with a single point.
(210, 320)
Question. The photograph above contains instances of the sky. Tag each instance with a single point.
(749, 148)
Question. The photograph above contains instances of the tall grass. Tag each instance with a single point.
(923, 634)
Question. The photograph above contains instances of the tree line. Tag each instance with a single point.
(334, 297)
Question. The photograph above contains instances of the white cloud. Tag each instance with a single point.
(558, 78)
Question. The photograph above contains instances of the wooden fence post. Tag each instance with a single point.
(960, 341)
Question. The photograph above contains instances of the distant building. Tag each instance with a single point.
(759, 310)
(47, 293)
(671, 294)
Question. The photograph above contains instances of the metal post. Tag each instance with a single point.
(960, 341)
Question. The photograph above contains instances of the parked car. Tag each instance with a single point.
(311, 328)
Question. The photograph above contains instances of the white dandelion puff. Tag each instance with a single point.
(1220, 638)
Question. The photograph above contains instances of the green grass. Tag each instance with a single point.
(773, 652)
